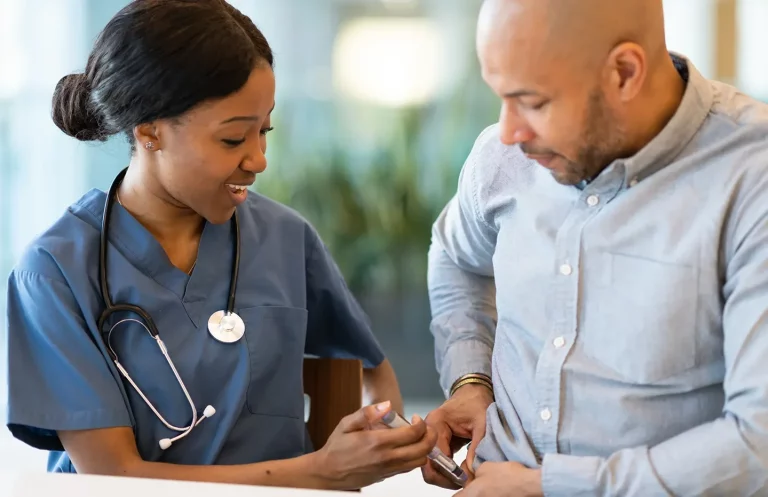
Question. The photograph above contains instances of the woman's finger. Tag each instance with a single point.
(363, 418)
(398, 437)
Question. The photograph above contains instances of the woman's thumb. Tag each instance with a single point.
(365, 417)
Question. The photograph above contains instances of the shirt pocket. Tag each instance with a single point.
(275, 339)
(639, 317)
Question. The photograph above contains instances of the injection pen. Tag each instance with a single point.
(448, 465)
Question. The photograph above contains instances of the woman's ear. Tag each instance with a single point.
(146, 136)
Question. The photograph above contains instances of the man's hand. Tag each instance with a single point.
(504, 479)
(459, 420)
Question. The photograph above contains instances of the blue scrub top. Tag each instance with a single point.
(290, 295)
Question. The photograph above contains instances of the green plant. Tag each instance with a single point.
(376, 219)
(376, 213)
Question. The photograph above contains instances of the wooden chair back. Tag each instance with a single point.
(335, 390)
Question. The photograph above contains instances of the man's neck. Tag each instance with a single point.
(660, 102)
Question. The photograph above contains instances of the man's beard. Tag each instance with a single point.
(601, 141)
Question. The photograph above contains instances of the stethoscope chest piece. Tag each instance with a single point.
(226, 327)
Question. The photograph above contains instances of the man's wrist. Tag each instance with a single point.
(476, 379)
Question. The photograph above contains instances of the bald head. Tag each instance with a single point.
(582, 81)
(574, 30)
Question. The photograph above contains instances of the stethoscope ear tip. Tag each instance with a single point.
(209, 411)
(165, 443)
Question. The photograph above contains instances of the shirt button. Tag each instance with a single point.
(593, 200)
(566, 269)
(546, 414)
(558, 342)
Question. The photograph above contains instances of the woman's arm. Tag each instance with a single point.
(380, 384)
(112, 451)
(354, 456)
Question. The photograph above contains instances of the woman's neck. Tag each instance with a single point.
(176, 227)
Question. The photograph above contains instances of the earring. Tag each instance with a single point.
(149, 145)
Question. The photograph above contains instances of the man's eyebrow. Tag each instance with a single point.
(521, 93)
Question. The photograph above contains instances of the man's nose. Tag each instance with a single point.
(514, 129)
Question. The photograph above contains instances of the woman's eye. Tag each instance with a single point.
(236, 142)
(233, 143)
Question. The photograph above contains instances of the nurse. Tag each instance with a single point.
(219, 397)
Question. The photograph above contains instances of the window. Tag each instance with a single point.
(752, 38)
(690, 31)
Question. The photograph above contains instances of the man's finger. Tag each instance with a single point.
(468, 470)
(433, 477)
(471, 455)
(478, 433)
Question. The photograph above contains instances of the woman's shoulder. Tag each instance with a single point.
(272, 210)
(71, 239)
(262, 210)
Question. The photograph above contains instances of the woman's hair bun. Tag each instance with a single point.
(73, 112)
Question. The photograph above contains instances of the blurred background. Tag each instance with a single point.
(378, 104)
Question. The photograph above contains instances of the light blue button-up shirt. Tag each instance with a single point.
(628, 320)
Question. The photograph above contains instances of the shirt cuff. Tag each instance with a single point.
(465, 357)
(572, 476)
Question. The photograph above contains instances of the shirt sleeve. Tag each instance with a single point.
(462, 289)
(58, 378)
(337, 325)
(729, 455)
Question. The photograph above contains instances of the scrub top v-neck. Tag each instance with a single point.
(290, 294)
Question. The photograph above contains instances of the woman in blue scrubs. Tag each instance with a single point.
(191, 86)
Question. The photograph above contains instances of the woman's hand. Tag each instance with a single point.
(363, 451)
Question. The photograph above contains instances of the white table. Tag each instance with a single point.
(36, 484)
(24, 476)
(68, 485)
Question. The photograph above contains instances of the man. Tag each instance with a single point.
(608, 244)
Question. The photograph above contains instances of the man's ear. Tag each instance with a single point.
(628, 66)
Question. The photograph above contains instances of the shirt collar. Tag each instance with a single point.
(675, 136)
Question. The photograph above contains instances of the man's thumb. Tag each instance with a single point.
(365, 417)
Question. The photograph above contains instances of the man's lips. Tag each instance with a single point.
(543, 159)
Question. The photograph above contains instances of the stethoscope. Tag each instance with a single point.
(224, 326)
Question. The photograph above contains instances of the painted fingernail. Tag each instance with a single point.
(384, 406)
